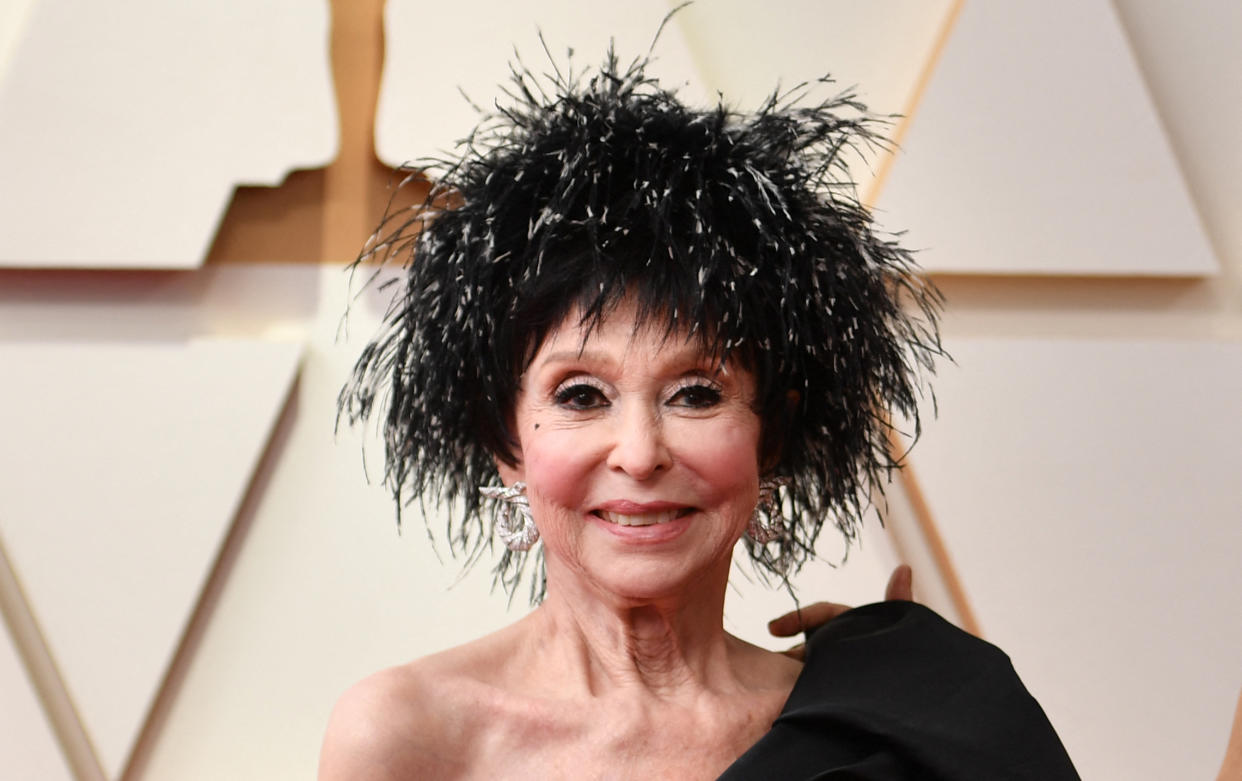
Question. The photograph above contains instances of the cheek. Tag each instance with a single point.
(726, 457)
(556, 465)
(726, 463)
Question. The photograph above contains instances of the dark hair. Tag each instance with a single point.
(742, 229)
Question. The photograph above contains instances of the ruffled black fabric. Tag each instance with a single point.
(892, 691)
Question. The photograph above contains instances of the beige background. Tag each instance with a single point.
(305, 584)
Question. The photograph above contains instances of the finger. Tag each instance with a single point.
(808, 617)
(797, 652)
(901, 584)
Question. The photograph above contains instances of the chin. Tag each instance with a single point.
(647, 579)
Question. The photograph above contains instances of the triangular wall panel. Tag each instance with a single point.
(1088, 494)
(435, 52)
(124, 466)
(124, 153)
(1036, 150)
(881, 49)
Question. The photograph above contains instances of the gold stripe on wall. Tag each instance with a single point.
(930, 532)
(49, 685)
(934, 542)
(885, 163)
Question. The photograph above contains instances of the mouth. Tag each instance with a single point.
(642, 519)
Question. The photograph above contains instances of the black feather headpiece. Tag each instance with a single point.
(742, 229)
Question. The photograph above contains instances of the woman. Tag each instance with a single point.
(663, 330)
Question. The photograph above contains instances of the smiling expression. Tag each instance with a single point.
(640, 455)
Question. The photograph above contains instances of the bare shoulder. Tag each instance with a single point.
(395, 724)
(380, 729)
(416, 720)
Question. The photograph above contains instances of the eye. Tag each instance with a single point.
(696, 394)
(580, 394)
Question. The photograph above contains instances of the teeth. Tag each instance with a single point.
(646, 519)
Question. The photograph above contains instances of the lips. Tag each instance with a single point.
(627, 513)
(643, 524)
(641, 519)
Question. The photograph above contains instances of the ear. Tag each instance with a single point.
(775, 447)
(511, 469)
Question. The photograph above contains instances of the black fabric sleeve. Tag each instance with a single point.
(893, 691)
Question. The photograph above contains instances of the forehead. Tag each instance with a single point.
(622, 333)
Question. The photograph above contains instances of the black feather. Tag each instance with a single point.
(741, 228)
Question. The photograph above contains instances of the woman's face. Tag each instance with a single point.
(640, 456)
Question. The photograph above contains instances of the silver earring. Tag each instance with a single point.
(515, 526)
(767, 524)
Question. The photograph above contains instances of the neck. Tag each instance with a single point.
(662, 645)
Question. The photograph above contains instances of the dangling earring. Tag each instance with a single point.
(515, 526)
(767, 523)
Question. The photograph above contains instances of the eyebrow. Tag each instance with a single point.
(563, 356)
(701, 362)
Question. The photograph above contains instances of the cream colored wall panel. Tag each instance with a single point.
(880, 48)
(28, 749)
(124, 127)
(712, 46)
(13, 17)
(1088, 492)
(1188, 52)
(124, 466)
(434, 52)
(1036, 150)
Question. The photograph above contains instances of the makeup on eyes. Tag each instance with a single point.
(581, 391)
(584, 391)
(697, 392)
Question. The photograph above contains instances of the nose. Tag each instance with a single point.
(639, 448)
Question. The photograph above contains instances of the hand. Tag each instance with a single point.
(900, 586)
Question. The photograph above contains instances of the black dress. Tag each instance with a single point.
(893, 691)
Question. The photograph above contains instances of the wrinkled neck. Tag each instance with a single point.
(662, 646)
